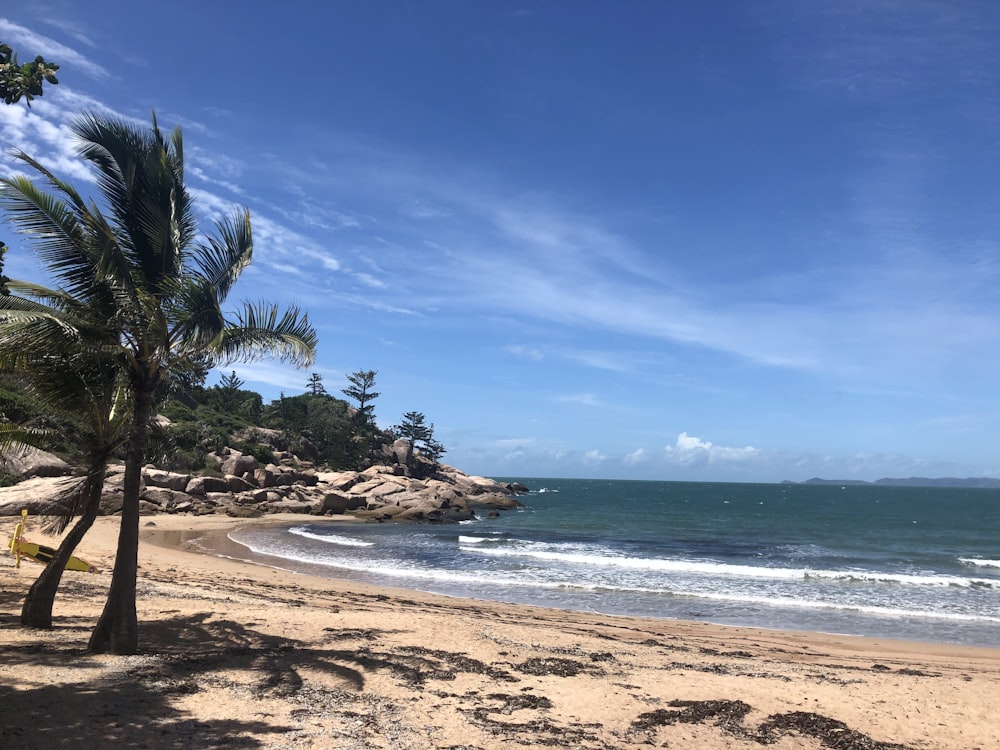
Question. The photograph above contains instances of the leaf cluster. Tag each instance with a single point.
(25, 80)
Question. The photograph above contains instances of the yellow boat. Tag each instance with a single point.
(20, 547)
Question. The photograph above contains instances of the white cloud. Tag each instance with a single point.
(638, 456)
(28, 44)
(527, 352)
(594, 457)
(581, 399)
(514, 442)
(423, 210)
(600, 360)
(275, 374)
(368, 280)
(689, 450)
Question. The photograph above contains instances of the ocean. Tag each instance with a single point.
(894, 562)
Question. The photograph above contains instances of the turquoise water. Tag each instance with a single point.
(901, 562)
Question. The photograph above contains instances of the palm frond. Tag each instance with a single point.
(141, 179)
(223, 258)
(59, 184)
(59, 236)
(14, 436)
(197, 320)
(260, 330)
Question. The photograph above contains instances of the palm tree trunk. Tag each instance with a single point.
(37, 609)
(117, 630)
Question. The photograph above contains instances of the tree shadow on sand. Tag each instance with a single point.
(137, 701)
(133, 704)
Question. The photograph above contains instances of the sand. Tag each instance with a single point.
(238, 655)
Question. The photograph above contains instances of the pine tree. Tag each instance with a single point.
(415, 429)
(359, 389)
(315, 387)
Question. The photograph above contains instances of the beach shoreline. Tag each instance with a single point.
(246, 655)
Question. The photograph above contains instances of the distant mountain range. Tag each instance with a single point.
(976, 482)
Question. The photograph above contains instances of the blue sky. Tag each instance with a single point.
(711, 241)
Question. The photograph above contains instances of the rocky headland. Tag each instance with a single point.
(404, 487)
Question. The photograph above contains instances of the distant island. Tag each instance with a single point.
(988, 483)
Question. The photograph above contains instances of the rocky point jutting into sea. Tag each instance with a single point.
(406, 487)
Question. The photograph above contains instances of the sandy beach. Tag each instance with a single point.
(239, 655)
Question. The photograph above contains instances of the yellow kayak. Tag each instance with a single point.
(40, 553)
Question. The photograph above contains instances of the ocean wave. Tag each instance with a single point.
(344, 541)
(979, 562)
(479, 539)
(868, 609)
(598, 559)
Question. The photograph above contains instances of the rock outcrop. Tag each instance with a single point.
(30, 462)
(410, 488)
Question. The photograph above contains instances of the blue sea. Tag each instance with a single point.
(899, 562)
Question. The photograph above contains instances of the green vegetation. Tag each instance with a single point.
(140, 290)
(415, 429)
(25, 81)
(316, 427)
(131, 328)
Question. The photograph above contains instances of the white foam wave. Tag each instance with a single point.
(489, 584)
(344, 541)
(979, 562)
(726, 569)
(478, 539)
(780, 601)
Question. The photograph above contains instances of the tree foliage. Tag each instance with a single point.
(23, 81)
(314, 386)
(166, 281)
(414, 428)
(360, 389)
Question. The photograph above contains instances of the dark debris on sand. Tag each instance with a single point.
(729, 716)
(541, 666)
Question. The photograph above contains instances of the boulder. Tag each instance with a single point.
(265, 477)
(204, 485)
(30, 462)
(284, 478)
(239, 465)
(340, 502)
(375, 486)
(290, 505)
(38, 495)
(401, 451)
(237, 484)
(494, 500)
(340, 480)
(164, 498)
(166, 479)
(307, 478)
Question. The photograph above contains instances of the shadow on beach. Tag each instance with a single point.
(132, 703)
(137, 701)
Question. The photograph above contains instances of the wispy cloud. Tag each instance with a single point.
(580, 399)
(29, 43)
(526, 352)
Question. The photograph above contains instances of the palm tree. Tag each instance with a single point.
(83, 384)
(64, 351)
(168, 285)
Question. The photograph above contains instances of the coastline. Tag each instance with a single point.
(244, 655)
